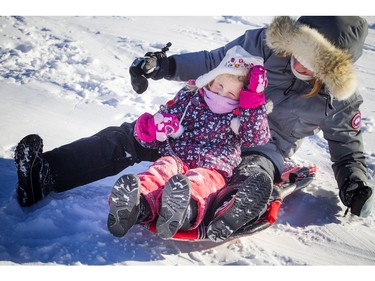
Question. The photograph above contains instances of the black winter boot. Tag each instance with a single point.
(174, 206)
(144, 210)
(124, 205)
(191, 215)
(35, 181)
(249, 201)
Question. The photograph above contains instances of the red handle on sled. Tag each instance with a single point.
(193, 234)
(274, 209)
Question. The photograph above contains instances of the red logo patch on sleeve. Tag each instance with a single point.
(356, 120)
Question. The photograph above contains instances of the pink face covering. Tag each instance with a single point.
(219, 104)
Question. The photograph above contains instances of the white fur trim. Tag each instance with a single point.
(330, 64)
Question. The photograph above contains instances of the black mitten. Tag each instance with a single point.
(139, 82)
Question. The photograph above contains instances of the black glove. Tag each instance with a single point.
(154, 65)
(358, 197)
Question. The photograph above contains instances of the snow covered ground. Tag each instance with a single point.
(67, 77)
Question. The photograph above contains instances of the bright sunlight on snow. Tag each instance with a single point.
(65, 78)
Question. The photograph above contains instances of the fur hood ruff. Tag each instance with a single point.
(333, 66)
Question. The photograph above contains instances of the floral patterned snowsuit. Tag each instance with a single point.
(207, 151)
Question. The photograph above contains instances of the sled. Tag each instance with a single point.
(294, 178)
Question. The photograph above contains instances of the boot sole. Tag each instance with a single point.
(124, 205)
(248, 203)
(175, 201)
(25, 163)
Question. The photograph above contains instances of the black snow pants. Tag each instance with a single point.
(89, 159)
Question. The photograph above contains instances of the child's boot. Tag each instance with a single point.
(174, 206)
(124, 205)
(144, 210)
(191, 215)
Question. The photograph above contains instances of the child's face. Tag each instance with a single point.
(227, 86)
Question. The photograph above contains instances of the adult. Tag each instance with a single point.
(312, 86)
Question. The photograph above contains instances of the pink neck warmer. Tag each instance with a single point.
(219, 104)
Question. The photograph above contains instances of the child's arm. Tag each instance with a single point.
(152, 129)
(253, 123)
(252, 95)
(253, 126)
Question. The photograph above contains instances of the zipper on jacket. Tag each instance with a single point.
(287, 90)
(329, 105)
(286, 66)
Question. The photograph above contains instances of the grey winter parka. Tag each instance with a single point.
(293, 116)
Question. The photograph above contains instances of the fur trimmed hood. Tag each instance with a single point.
(331, 64)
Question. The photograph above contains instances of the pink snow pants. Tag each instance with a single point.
(204, 184)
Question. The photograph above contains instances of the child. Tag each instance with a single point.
(199, 136)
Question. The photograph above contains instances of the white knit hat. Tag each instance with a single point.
(236, 61)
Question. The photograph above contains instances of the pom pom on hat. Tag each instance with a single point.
(236, 62)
